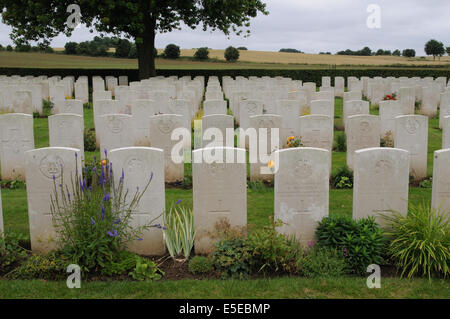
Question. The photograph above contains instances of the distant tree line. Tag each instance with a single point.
(290, 50)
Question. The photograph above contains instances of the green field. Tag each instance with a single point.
(260, 209)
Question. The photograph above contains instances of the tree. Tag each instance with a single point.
(396, 53)
(242, 49)
(123, 48)
(71, 48)
(42, 20)
(409, 53)
(231, 54)
(172, 51)
(201, 54)
(447, 50)
(434, 48)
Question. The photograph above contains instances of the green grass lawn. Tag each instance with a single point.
(259, 210)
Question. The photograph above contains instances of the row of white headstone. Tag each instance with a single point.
(219, 189)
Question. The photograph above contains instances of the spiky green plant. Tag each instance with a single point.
(420, 241)
(179, 231)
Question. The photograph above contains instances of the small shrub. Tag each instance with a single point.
(323, 262)
(11, 253)
(231, 54)
(123, 48)
(146, 270)
(293, 142)
(362, 242)
(172, 51)
(50, 267)
(90, 144)
(341, 143)
(232, 258)
(342, 179)
(179, 231)
(420, 242)
(12, 184)
(9, 48)
(426, 183)
(202, 54)
(200, 265)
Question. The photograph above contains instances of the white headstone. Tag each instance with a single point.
(212, 125)
(115, 131)
(316, 131)
(141, 111)
(446, 132)
(215, 107)
(441, 181)
(389, 110)
(67, 130)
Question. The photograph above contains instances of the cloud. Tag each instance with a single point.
(317, 25)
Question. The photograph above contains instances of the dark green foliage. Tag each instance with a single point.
(146, 270)
(342, 179)
(366, 51)
(123, 48)
(396, 53)
(232, 258)
(23, 48)
(2, 48)
(362, 242)
(231, 54)
(383, 52)
(9, 48)
(242, 49)
(11, 253)
(341, 143)
(323, 262)
(409, 53)
(89, 140)
(202, 54)
(172, 51)
(49, 267)
(71, 48)
(288, 50)
(200, 265)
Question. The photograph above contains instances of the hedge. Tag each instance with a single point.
(306, 75)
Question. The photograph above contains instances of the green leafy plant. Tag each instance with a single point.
(420, 242)
(146, 270)
(172, 51)
(342, 179)
(387, 140)
(272, 251)
(89, 140)
(93, 221)
(323, 262)
(232, 258)
(179, 231)
(426, 183)
(201, 54)
(12, 184)
(200, 265)
(11, 253)
(362, 242)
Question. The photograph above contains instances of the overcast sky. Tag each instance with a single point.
(313, 26)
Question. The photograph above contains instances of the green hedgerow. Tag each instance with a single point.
(420, 242)
(200, 265)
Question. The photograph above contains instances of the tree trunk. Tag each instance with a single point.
(146, 58)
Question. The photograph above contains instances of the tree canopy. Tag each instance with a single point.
(42, 20)
(434, 48)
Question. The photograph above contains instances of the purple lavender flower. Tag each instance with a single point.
(151, 176)
(160, 227)
(92, 221)
(54, 177)
(113, 233)
(76, 155)
(311, 244)
(178, 202)
(95, 158)
(117, 221)
(94, 169)
(107, 197)
(68, 196)
(140, 239)
(106, 152)
(103, 213)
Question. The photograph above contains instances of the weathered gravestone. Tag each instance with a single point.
(354, 107)
(214, 130)
(215, 107)
(44, 168)
(407, 99)
(339, 86)
(363, 131)
(22, 102)
(15, 139)
(411, 134)
(389, 110)
(220, 194)
(302, 191)
(322, 107)
(139, 165)
(444, 107)
(316, 131)
(289, 112)
(267, 142)
(115, 131)
(82, 91)
(67, 130)
(69, 106)
(161, 129)
(141, 111)
(381, 181)
(446, 133)
(429, 102)
(441, 181)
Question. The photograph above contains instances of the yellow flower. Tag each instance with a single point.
(290, 138)
(271, 164)
(103, 162)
